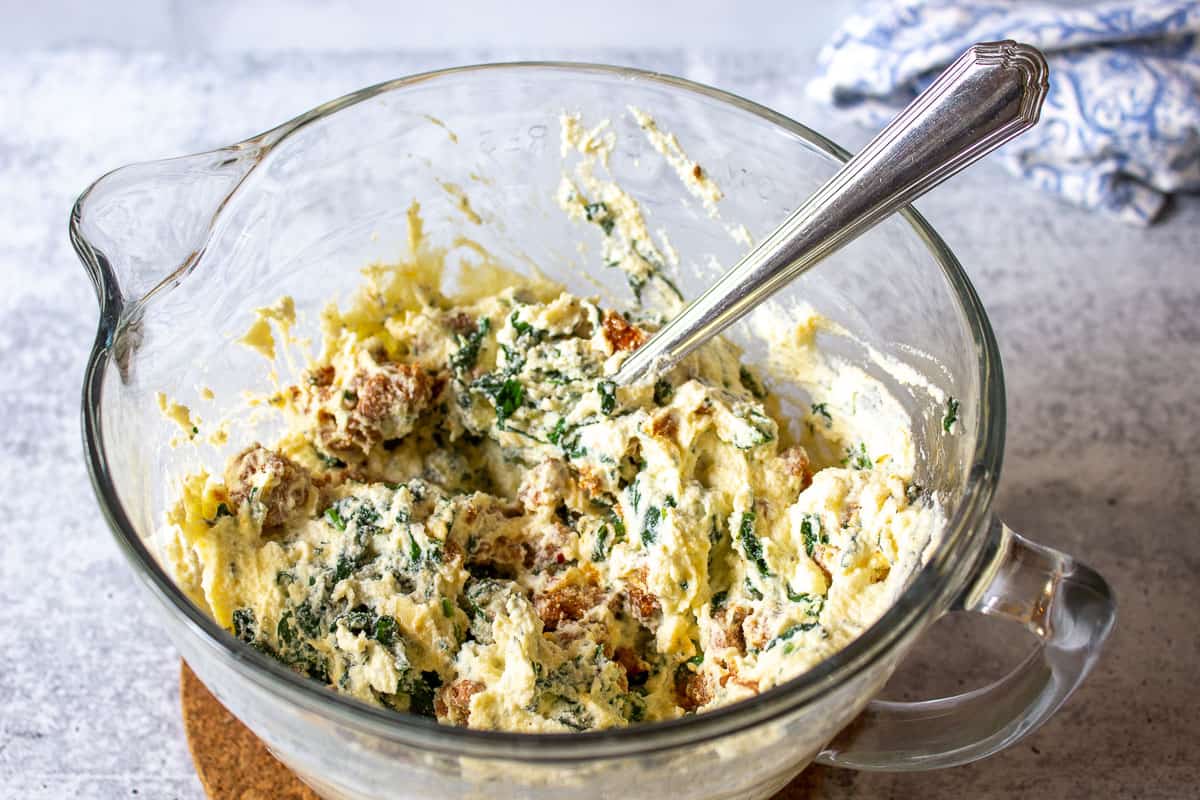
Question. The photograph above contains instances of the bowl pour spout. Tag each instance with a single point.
(144, 225)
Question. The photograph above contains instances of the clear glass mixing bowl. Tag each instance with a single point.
(181, 252)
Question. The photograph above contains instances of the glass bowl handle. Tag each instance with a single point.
(1067, 605)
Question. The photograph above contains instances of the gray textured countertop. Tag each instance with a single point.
(1099, 326)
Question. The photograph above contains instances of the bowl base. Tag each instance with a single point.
(233, 764)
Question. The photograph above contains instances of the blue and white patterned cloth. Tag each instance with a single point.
(1120, 129)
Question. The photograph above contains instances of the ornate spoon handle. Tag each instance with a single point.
(990, 94)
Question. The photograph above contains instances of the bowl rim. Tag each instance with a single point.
(934, 586)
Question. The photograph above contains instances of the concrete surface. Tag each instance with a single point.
(1099, 326)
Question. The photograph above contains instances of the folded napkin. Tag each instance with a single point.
(1120, 129)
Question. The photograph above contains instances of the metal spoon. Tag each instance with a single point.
(990, 94)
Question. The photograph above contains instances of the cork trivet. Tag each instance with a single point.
(231, 761)
(234, 765)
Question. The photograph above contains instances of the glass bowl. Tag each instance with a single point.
(181, 252)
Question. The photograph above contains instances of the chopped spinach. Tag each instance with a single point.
(574, 716)
(433, 554)
(618, 525)
(349, 510)
(751, 544)
(791, 631)
(570, 445)
(334, 517)
(552, 376)
(858, 458)
(757, 430)
(603, 546)
(815, 602)
(514, 359)
(527, 334)
(357, 620)
(560, 427)
(467, 354)
(520, 327)
(663, 391)
(509, 398)
(506, 395)
(385, 630)
(421, 691)
(752, 384)
(630, 465)
(346, 565)
(567, 436)
(284, 630)
(811, 533)
(366, 516)
(598, 213)
(309, 620)
(245, 626)
(608, 396)
(311, 663)
(297, 653)
(332, 462)
(951, 415)
(637, 284)
(635, 493)
(650, 525)
(822, 410)
(637, 707)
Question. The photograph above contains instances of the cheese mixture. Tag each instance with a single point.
(467, 519)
